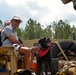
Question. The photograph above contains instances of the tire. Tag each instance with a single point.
(68, 47)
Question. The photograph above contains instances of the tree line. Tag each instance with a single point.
(56, 30)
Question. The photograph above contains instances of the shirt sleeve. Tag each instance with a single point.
(8, 31)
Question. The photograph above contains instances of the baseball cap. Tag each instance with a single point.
(16, 18)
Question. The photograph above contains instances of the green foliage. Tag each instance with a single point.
(33, 29)
(62, 30)
(1, 26)
(56, 30)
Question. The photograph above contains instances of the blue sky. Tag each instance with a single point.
(43, 11)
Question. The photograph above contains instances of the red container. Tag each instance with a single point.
(34, 66)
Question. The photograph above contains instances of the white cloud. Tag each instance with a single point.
(43, 11)
(16, 2)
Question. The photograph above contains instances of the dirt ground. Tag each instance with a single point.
(30, 43)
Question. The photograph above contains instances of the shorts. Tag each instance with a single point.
(16, 47)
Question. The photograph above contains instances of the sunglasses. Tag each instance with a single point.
(17, 21)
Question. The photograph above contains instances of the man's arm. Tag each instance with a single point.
(13, 40)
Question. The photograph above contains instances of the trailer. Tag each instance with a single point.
(61, 52)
